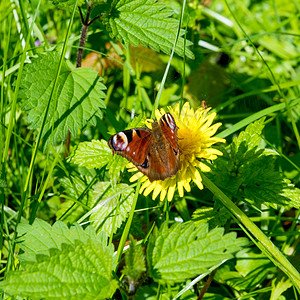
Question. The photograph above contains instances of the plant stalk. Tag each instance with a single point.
(80, 51)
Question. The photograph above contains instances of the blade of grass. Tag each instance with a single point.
(255, 117)
(2, 120)
(157, 99)
(128, 224)
(252, 93)
(9, 134)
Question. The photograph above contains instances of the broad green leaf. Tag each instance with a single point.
(115, 167)
(250, 172)
(244, 148)
(213, 217)
(138, 121)
(39, 237)
(224, 173)
(94, 154)
(111, 206)
(185, 250)
(263, 184)
(134, 264)
(78, 98)
(79, 271)
(145, 22)
(251, 136)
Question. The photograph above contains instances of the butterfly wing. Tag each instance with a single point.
(163, 157)
(169, 130)
(133, 144)
(154, 152)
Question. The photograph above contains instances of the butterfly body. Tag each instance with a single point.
(154, 152)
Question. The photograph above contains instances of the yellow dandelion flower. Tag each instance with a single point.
(195, 138)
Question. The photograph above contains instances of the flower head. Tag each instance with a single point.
(195, 138)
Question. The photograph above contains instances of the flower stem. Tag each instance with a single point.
(264, 242)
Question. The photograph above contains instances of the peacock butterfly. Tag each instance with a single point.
(154, 152)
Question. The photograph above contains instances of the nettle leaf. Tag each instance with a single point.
(145, 22)
(263, 184)
(94, 154)
(115, 167)
(185, 250)
(78, 98)
(39, 237)
(111, 206)
(244, 148)
(251, 135)
(224, 173)
(250, 172)
(137, 121)
(78, 271)
(214, 217)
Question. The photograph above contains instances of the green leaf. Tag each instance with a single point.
(111, 205)
(39, 237)
(77, 100)
(79, 271)
(213, 217)
(94, 154)
(115, 167)
(250, 172)
(262, 184)
(185, 250)
(134, 264)
(244, 148)
(251, 135)
(145, 22)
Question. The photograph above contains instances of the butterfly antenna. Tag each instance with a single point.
(132, 113)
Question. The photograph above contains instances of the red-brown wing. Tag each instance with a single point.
(169, 129)
(163, 160)
(161, 166)
(133, 144)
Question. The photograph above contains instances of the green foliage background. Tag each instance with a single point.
(67, 205)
